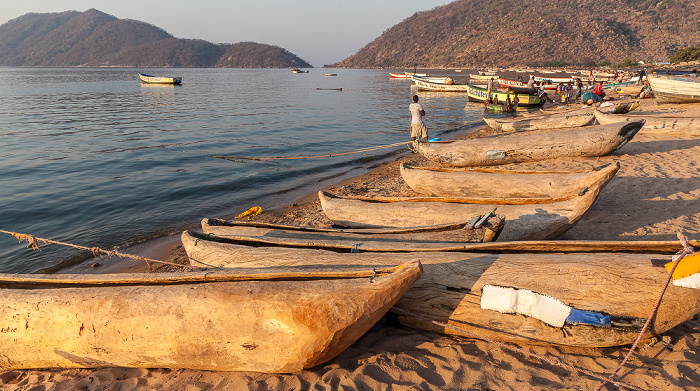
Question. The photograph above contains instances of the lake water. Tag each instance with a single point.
(93, 157)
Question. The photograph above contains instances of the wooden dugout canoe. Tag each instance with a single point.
(526, 219)
(433, 238)
(500, 184)
(274, 320)
(624, 286)
(573, 119)
(654, 122)
(525, 147)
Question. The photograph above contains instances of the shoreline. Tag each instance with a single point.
(655, 193)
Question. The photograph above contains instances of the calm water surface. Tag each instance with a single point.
(91, 156)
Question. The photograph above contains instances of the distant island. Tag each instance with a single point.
(96, 39)
(475, 33)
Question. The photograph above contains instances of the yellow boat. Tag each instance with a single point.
(159, 80)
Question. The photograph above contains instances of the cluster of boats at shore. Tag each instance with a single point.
(473, 253)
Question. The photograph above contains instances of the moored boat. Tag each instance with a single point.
(276, 320)
(526, 218)
(406, 75)
(159, 80)
(500, 184)
(297, 70)
(571, 119)
(588, 141)
(675, 89)
(458, 289)
(425, 85)
(477, 94)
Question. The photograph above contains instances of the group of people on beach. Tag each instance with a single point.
(567, 93)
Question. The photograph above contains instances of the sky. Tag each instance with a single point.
(319, 31)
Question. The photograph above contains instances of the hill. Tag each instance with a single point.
(532, 32)
(93, 38)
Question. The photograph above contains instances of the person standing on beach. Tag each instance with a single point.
(418, 128)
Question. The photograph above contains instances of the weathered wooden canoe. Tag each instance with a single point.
(654, 122)
(515, 246)
(524, 147)
(675, 89)
(273, 320)
(500, 184)
(621, 286)
(574, 119)
(527, 218)
(159, 80)
(433, 238)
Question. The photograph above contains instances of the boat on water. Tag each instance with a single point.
(436, 79)
(406, 75)
(331, 74)
(477, 94)
(655, 123)
(521, 87)
(412, 239)
(159, 80)
(526, 218)
(499, 108)
(574, 299)
(521, 147)
(273, 320)
(675, 89)
(498, 184)
(297, 70)
(426, 85)
(483, 76)
(571, 119)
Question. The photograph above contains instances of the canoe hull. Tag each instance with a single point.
(450, 289)
(654, 123)
(274, 326)
(449, 236)
(529, 221)
(588, 141)
(545, 122)
(499, 184)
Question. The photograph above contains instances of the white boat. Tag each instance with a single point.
(675, 89)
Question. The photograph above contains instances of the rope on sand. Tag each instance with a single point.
(96, 251)
(687, 249)
(551, 360)
(339, 153)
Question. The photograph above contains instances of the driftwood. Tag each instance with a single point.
(655, 123)
(524, 147)
(524, 221)
(274, 320)
(341, 240)
(499, 184)
(624, 286)
(572, 119)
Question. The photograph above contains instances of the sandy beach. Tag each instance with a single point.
(655, 195)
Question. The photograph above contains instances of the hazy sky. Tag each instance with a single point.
(319, 31)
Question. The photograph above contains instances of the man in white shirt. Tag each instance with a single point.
(418, 128)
